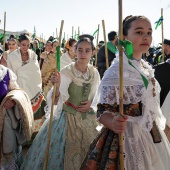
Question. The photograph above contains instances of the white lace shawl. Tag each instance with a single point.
(69, 74)
(166, 109)
(134, 91)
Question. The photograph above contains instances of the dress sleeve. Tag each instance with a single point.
(65, 82)
(101, 108)
(13, 80)
(95, 85)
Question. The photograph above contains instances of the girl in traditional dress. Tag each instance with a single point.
(69, 56)
(16, 120)
(145, 143)
(23, 62)
(48, 49)
(12, 45)
(48, 67)
(74, 123)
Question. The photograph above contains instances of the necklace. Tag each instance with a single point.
(24, 55)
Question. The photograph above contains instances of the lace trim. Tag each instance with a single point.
(132, 94)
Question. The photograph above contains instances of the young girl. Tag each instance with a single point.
(16, 120)
(23, 62)
(74, 124)
(48, 67)
(145, 144)
(12, 46)
(69, 55)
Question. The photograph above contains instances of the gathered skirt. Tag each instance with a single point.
(70, 140)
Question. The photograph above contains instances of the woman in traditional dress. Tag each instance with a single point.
(48, 49)
(69, 56)
(74, 123)
(16, 120)
(12, 45)
(48, 67)
(23, 62)
(145, 143)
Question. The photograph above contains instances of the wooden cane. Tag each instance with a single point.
(72, 31)
(162, 28)
(56, 33)
(78, 31)
(97, 39)
(52, 106)
(105, 45)
(121, 156)
(4, 41)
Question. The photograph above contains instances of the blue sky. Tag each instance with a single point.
(86, 14)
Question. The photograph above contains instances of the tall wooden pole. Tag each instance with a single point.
(41, 45)
(121, 84)
(162, 28)
(42, 38)
(97, 39)
(56, 33)
(52, 108)
(78, 31)
(4, 41)
(72, 31)
(75, 34)
(105, 42)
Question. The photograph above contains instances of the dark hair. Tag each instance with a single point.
(6, 47)
(111, 35)
(85, 39)
(31, 45)
(87, 36)
(49, 42)
(36, 39)
(23, 37)
(166, 41)
(71, 42)
(128, 20)
(54, 40)
(50, 39)
(100, 43)
(12, 38)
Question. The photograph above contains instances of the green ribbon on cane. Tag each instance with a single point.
(129, 53)
(58, 57)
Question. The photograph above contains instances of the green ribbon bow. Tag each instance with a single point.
(128, 48)
(129, 53)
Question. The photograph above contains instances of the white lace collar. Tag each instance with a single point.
(134, 91)
(85, 75)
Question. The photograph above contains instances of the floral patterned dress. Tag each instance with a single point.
(72, 131)
(145, 143)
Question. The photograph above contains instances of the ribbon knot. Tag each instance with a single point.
(128, 46)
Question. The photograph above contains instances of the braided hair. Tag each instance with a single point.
(128, 20)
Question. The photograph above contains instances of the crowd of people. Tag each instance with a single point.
(86, 124)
